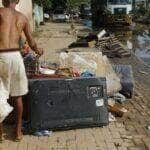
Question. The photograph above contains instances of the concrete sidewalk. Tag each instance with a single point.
(127, 133)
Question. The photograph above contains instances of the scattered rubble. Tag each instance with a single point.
(112, 47)
(111, 117)
(148, 127)
(117, 110)
(117, 144)
(108, 44)
(127, 137)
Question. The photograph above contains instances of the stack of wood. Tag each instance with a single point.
(84, 41)
(112, 47)
(109, 45)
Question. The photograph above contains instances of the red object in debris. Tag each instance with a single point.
(26, 49)
(76, 74)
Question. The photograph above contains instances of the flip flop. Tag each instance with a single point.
(47, 133)
(38, 133)
(2, 139)
(18, 139)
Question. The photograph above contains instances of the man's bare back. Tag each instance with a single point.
(12, 24)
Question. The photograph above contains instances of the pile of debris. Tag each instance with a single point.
(119, 78)
(112, 47)
(106, 43)
(144, 19)
(83, 61)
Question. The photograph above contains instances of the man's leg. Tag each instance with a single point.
(1, 132)
(19, 110)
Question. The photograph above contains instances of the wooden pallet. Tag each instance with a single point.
(112, 47)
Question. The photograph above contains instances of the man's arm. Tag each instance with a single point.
(31, 42)
(1, 15)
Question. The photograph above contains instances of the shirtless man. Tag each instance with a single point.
(12, 71)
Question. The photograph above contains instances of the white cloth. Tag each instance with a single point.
(5, 109)
(13, 80)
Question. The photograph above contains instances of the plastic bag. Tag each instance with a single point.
(125, 74)
(82, 61)
(96, 64)
(5, 109)
(112, 80)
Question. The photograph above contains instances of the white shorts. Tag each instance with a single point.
(13, 79)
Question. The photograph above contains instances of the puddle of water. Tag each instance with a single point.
(139, 43)
(136, 39)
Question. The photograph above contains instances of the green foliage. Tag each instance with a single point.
(47, 4)
(70, 4)
(76, 3)
(59, 4)
(37, 2)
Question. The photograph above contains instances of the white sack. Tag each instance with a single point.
(112, 80)
(5, 108)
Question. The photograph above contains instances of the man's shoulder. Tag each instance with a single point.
(2, 9)
(21, 15)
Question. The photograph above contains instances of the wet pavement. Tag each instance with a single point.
(136, 39)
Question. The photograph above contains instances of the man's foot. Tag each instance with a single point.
(19, 137)
(1, 138)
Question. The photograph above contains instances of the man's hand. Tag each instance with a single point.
(39, 51)
(31, 42)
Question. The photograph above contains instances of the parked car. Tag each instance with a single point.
(60, 16)
(46, 16)
(85, 12)
(75, 15)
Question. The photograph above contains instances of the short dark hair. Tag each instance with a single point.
(8, 2)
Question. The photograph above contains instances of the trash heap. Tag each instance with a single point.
(90, 59)
(111, 47)
(119, 78)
